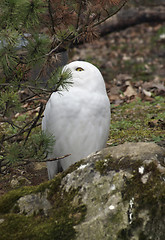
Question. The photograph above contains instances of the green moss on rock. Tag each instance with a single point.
(112, 164)
(58, 225)
(20, 227)
(149, 197)
(8, 200)
(101, 166)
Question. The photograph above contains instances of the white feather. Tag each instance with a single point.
(79, 118)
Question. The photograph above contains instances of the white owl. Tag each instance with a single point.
(78, 118)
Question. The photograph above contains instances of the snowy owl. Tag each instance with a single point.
(78, 118)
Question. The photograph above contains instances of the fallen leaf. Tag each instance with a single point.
(129, 92)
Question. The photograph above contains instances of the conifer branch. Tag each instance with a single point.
(79, 14)
(51, 16)
(9, 121)
(34, 122)
(50, 159)
(32, 33)
(109, 15)
(23, 130)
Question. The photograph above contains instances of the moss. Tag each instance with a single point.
(19, 227)
(100, 166)
(111, 164)
(149, 196)
(152, 192)
(60, 223)
(8, 200)
(124, 234)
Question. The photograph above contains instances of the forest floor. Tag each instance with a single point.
(132, 62)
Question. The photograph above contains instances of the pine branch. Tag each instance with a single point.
(49, 160)
(110, 15)
(60, 43)
(51, 16)
(29, 98)
(79, 14)
(34, 122)
(9, 121)
(22, 131)
(25, 52)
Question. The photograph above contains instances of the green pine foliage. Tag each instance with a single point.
(9, 101)
(36, 149)
(60, 80)
(33, 33)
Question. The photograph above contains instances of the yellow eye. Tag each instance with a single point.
(79, 69)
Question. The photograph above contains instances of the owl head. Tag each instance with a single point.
(85, 75)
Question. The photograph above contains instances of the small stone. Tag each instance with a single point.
(2, 220)
(19, 181)
(145, 177)
(34, 203)
(39, 166)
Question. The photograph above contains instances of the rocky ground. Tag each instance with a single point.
(132, 62)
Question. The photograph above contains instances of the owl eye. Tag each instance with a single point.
(79, 69)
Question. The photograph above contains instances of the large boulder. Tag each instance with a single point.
(117, 193)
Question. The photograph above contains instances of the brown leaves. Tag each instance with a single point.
(134, 53)
(125, 90)
(129, 92)
(157, 124)
(155, 86)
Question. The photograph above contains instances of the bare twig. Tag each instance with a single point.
(9, 121)
(29, 98)
(23, 130)
(79, 14)
(28, 161)
(51, 16)
(51, 159)
(60, 43)
(110, 15)
(35, 122)
(39, 89)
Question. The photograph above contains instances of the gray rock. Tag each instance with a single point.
(33, 204)
(117, 193)
(103, 178)
(1, 220)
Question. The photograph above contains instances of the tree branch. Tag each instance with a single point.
(51, 16)
(110, 15)
(79, 14)
(51, 159)
(35, 122)
(131, 17)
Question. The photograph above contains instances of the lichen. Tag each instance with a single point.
(149, 196)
